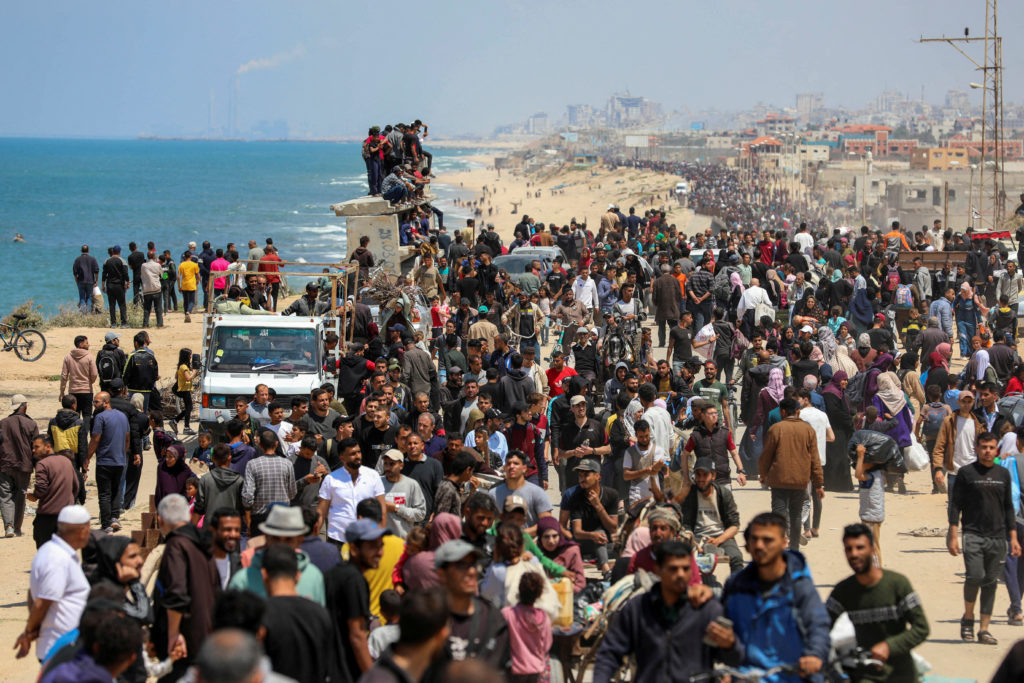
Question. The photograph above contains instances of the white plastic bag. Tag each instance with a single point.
(915, 456)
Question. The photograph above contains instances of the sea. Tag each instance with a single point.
(60, 194)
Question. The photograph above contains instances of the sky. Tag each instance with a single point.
(121, 68)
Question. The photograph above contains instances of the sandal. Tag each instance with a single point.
(986, 638)
(967, 629)
(814, 533)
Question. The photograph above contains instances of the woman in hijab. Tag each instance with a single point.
(769, 398)
(786, 343)
(172, 473)
(938, 367)
(811, 313)
(419, 571)
(840, 417)
(737, 289)
(561, 550)
(844, 337)
(863, 355)
(979, 368)
(844, 362)
(882, 364)
(119, 561)
(910, 379)
(861, 311)
(892, 405)
(500, 584)
(827, 344)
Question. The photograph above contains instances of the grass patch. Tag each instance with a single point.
(68, 316)
(33, 313)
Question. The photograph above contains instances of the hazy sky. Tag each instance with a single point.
(121, 68)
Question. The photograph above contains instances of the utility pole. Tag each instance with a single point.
(991, 67)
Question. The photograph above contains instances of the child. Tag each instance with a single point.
(252, 427)
(183, 390)
(416, 541)
(929, 421)
(529, 631)
(912, 327)
(277, 423)
(436, 321)
(221, 487)
(191, 491)
(951, 397)
(293, 439)
(202, 451)
(872, 498)
(383, 637)
(161, 438)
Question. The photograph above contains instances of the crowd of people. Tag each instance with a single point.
(397, 524)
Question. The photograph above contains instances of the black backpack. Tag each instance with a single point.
(106, 366)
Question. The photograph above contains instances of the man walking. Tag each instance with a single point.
(17, 430)
(56, 487)
(110, 443)
(268, 479)
(885, 610)
(666, 295)
(141, 371)
(789, 462)
(77, 375)
(343, 488)
(982, 502)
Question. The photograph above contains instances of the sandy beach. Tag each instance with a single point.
(584, 195)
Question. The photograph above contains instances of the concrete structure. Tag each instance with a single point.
(813, 152)
(808, 102)
(776, 124)
(938, 159)
(1012, 149)
(379, 220)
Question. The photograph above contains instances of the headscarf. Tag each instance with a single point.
(981, 361)
(828, 344)
(860, 308)
(776, 384)
(843, 362)
(891, 393)
(946, 349)
(109, 549)
(834, 387)
(937, 360)
(665, 515)
(837, 275)
(550, 523)
(816, 355)
(419, 571)
(736, 280)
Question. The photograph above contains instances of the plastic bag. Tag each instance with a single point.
(880, 448)
(915, 456)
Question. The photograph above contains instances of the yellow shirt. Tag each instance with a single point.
(188, 274)
(379, 579)
(184, 383)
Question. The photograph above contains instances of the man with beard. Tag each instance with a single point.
(709, 511)
(886, 613)
(226, 524)
(343, 488)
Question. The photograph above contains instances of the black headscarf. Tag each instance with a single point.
(110, 548)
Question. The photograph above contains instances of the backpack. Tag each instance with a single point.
(106, 366)
(934, 414)
(722, 288)
(892, 278)
(904, 298)
(854, 392)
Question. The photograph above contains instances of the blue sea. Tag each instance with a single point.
(60, 194)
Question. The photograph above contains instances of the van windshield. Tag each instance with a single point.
(264, 349)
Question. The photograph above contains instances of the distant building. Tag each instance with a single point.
(814, 152)
(958, 99)
(1012, 149)
(808, 102)
(938, 159)
(626, 110)
(580, 115)
(776, 124)
(537, 124)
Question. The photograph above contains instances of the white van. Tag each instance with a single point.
(241, 351)
(682, 188)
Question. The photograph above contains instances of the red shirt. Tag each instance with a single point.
(555, 379)
(376, 138)
(268, 264)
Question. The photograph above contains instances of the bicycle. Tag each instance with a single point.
(28, 344)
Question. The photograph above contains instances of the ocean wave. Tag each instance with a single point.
(321, 229)
(349, 181)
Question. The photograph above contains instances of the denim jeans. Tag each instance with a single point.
(396, 194)
(188, 300)
(965, 331)
(149, 302)
(1013, 574)
(85, 296)
(373, 174)
(108, 490)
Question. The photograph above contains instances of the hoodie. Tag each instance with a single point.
(221, 487)
(514, 388)
(67, 431)
(78, 373)
(241, 454)
(529, 635)
(310, 585)
(781, 623)
(613, 386)
(419, 571)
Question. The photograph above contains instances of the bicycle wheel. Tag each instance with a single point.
(29, 345)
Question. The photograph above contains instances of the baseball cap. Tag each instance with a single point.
(966, 393)
(393, 364)
(117, 384)
(593, 331)
(394, 454)
(515, 503)
(576, 400)
(398, 328)
(582, 330)
(310, 286)
(610, 207)
(453, 551)
(880, 317)
(482, 309)
(17, 400)
(807, 328)
(706, 464)
(111, 336)
(364, 530)
(493, 413)
(588, 465)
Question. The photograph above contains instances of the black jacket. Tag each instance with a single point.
(141, 371)
(138, 422)
(728, 513)
(115, 273)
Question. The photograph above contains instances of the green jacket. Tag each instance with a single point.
(310, 585)
(550, 566)
(231, 307)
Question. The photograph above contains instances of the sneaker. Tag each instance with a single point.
(189, 431)
(10, 532)
(188, 318)
(115, 524)
(174, 426)
(146, 443)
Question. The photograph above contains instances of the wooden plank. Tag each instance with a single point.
(152, 538)
(932, 260)
(138, 536)
(148, 520)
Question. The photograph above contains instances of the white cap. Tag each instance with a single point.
(17, 400)
(807, 328)
(610, 207)
(576, 400)
(582, 330)
(74, 514)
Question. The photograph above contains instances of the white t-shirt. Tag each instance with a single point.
(806, 242)
(345, 495)
(224, 569)
(635, 459)
(819, 422)
(56, 575)
(963, 444)
(661, 427)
